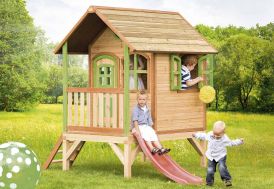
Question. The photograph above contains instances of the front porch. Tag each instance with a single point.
(94, 110)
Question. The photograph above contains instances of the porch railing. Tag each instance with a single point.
(95, 109)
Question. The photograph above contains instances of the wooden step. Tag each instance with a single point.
(53, 152)
(57, 161)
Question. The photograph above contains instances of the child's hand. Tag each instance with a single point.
(242, 140)
(133, 130)
(201, 79)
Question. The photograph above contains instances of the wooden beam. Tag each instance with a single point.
(117, 150)
(203, 158)
(76, 152)
(134, 153)
(174, 136)
(96, 138)
(196, 146)
(66, 163)
(72, 149)
(127, 160)
(53, 152)
(126, 90)
(65, 85)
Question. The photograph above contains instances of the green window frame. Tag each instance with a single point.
(135, 71)
(105, 75)
(206, 70)
(175, 73)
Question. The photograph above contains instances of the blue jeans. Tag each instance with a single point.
(211, 169)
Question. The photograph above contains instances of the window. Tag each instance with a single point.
(138, 72)
(105, 71)
(187, 64)
(106, 76)
(175, 72)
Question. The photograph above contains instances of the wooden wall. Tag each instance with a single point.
(108, 43)
(175, 111)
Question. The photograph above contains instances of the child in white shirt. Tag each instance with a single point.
(216, 152)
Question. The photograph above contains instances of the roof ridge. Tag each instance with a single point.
(94, 7)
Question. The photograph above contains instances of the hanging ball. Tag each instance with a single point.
(19, 166)
(207, 94)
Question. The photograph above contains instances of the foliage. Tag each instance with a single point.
(77, 77)
(19, 58)
(244, 67)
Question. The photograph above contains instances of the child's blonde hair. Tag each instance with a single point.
(219, 126)
(190, 60)
(141, 92)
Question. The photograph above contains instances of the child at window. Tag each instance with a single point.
(140, 66)
(216, 152)
(141, 122)
(189, 64)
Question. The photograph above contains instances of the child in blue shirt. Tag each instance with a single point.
(141, 122)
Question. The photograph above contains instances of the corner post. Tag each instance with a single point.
(65, 85)
(126, 90)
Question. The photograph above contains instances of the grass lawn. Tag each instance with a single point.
(251, 165)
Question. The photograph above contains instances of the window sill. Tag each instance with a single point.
(192, 90)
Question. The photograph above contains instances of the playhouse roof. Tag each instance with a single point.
(141, 30)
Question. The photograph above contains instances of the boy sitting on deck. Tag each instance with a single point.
(216, 152)
(141, 122)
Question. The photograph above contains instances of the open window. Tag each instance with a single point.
(186, 67)
(138, 72)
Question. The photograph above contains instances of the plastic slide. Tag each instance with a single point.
(167, 166)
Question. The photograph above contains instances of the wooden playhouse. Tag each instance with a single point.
(112, 37)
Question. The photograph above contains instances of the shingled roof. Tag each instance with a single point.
(141, 30)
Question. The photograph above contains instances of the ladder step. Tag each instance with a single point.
(57, 161)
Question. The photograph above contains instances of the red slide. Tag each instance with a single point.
(167, 166)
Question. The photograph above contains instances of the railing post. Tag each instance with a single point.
(65, 85)
(126, 90)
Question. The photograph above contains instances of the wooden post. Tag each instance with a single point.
(203, 157)
(65, 85)
(127, 160)
(126, 90)
(66, 163)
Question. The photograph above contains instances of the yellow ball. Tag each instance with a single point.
(207, 94)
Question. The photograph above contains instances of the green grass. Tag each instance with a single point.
(250, 165)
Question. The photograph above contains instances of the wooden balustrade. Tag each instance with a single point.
(91, 109)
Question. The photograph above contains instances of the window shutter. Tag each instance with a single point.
(205, 68)
(175, 73)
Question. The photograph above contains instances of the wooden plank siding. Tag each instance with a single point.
(175, 111)
(108, 43)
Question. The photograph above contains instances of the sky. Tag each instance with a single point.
(57, 17)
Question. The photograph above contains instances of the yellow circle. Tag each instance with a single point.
(207, 94)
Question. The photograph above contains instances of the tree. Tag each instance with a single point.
(19, 61)
(239, 75)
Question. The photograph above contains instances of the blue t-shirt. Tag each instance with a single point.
(143, 117)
